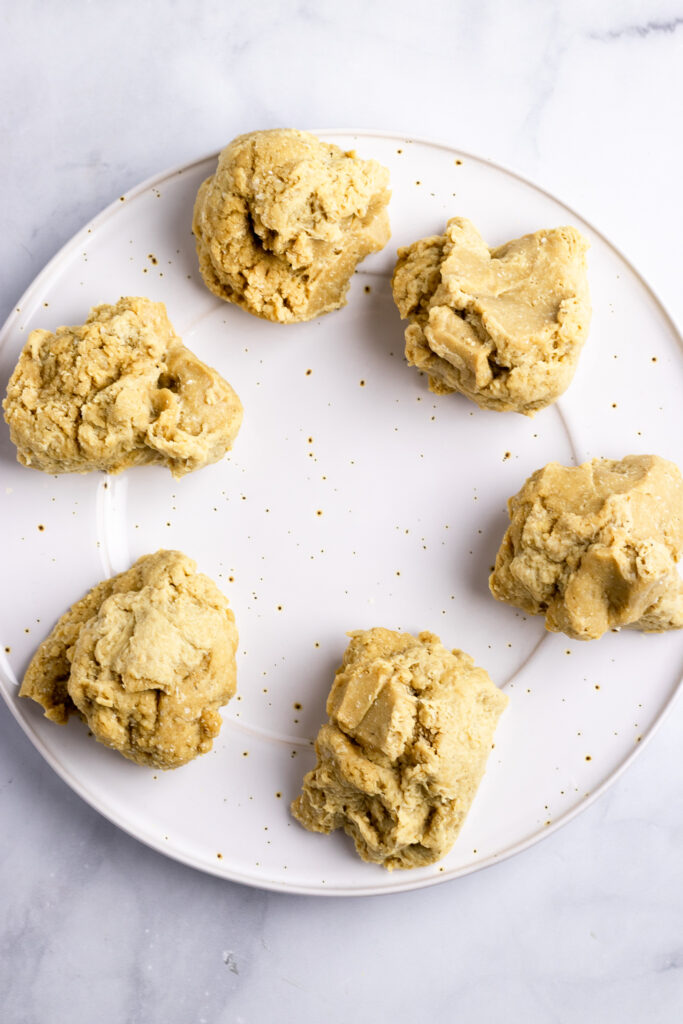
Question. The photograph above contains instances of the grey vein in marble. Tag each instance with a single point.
(649, 28)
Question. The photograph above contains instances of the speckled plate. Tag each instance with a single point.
(353, 498)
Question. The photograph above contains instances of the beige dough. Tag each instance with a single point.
(285, 219)
(410, 729)
(121, 390)
(503, 326)
(595, 547)
(146, 659)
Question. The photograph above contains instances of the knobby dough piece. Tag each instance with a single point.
(121, 390)
(595, 547)
(146, 659)
(284, 220)
(399, 762)
(503, 326)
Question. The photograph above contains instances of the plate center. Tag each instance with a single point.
(353, 498)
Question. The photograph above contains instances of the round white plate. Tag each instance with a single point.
(353, 498)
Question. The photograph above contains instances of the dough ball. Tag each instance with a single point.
(121, 390)
(399, 762)
(595, 547)
(146, 659)
(285, 219)
(503, 326)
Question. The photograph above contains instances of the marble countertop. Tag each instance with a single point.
(584, 99)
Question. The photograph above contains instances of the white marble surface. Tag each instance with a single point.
(585, 99)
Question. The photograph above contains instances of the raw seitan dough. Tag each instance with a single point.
(146, 659)
(284, 220)
(503, 326)
(595, 547)
(399, 762)
(121, 390)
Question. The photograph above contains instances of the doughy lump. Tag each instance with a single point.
(399, 761)
(146, 659)
(285, 219)
(503, 326)
(121, 390)
(595, 547)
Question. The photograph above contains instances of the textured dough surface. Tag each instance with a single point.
(121, 390)
(503, 326)
(399, 761)
(146, 659)
(284, 220)
(594, 547)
